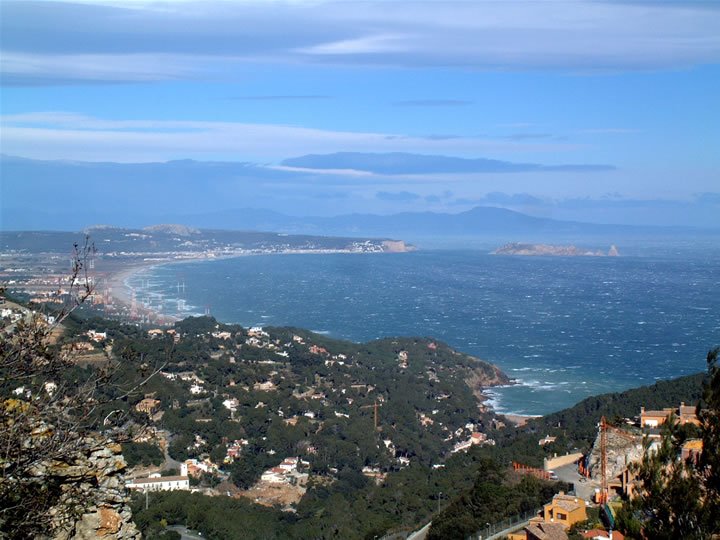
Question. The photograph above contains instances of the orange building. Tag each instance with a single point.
(565, 510)
(685, 414)
(692, 449)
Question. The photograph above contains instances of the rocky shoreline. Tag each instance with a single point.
(517, 248)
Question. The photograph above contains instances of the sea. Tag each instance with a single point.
(564, 328)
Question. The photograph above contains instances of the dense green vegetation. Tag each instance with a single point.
(328, 389)
(144, 454)
(491, 499)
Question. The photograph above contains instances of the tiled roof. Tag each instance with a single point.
(546, 531)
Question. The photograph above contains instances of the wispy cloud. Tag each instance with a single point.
(62, 135)
(52, 42)
(403, 163)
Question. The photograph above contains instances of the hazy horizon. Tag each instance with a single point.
(592, 111)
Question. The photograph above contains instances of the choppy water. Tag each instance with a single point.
(566, 328)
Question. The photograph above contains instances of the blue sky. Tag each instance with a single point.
(629, 87)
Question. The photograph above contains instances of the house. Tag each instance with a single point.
(289, 464)
(148, 406)
(234, 450)
(231, 404)
(160, 483)
(539, 530)
(547, 439)
(196, 468)
(475, 438)
(155, 482)
(257, 332)
(685, 414)
(691, 449)
(403, 359)
(565, 510)
(314, 349)
(96, 336)
(276, 475)
(375, 474)
(653, 419)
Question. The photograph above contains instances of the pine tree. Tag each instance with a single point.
(681, 498)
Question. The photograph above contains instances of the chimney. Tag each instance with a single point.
(642, 410)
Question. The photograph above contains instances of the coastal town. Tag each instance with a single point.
(36, 264)
(196, 424)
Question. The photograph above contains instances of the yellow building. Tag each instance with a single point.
(557, 517)
(565, 510)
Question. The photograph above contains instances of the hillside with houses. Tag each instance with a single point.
(280, 427)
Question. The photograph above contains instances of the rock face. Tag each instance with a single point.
(516, 248)
(396, 246)
(94, 501)
(621, 452)
(482, 377)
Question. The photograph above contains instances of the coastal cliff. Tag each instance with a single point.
(483, 376)
(517, 248)
(397, 246)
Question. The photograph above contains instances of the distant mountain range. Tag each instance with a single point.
(489, 223)
(70, 196)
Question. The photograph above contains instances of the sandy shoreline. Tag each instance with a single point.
(518, 419)
(122, 293)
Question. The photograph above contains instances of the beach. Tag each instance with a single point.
(124, 297)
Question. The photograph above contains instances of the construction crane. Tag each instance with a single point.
(604, 494)
(375, 408)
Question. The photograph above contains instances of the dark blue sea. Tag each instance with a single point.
(565, 328)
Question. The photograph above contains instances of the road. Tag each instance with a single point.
(421, 534)
(185, 533)
(584, 488)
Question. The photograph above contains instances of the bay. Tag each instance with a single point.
(565, 328)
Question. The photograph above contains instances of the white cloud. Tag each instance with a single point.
(62, 135)
(112, 40)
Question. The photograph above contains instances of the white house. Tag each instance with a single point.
(155, 482)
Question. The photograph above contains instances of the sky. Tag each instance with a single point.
(603, 111)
